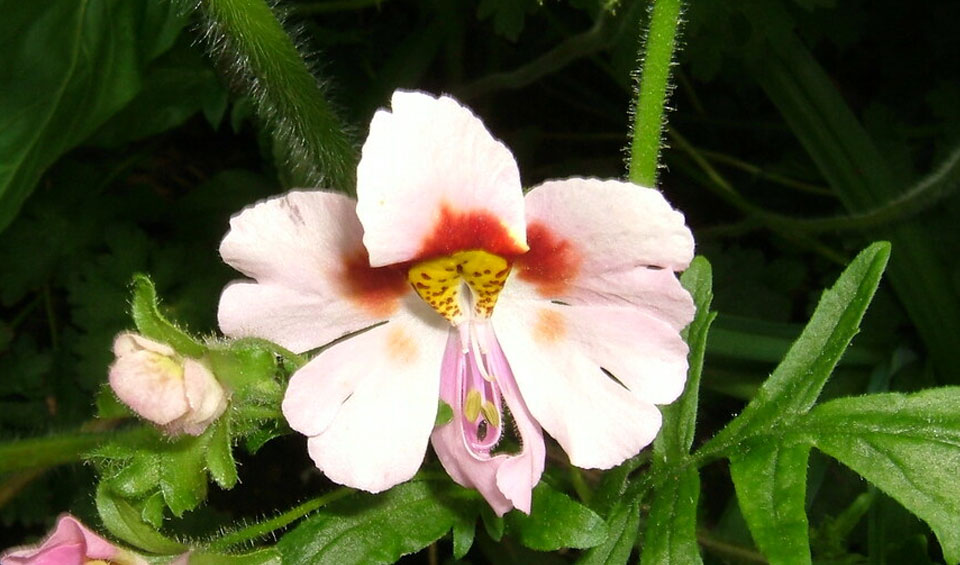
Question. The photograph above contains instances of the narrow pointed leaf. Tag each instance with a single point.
(220, 460)
(671, 532)
(771, 485)
(796, 383)
(623, 525)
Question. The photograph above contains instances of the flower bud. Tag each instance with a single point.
(70, 542)
(178, 393)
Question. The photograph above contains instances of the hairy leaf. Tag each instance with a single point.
(671, 533)
(555, 522)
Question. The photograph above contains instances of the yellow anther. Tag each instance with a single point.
(491, 414)
(472, 407)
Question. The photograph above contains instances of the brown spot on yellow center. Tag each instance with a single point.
(550, 326)
(439, 282)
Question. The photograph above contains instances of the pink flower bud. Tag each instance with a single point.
(70, 543)
(178, 393)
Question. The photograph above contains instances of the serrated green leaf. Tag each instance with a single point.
(671, 532)
(556, 521)
(493, 524)
(220, 460)
(368, 529)
(152, 324)
(623, 524)
(183, 476)
(907, 445)
(771, 485)
(268, 556)
(796, 383)
(680, 418)
(123, 521)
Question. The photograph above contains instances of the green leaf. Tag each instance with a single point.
(123, 521)
(613, 484)
(152, 324)
(364, 528)
(623, 525)
(464, 532)
(219, 455)
(671, 533)
(153, 509)
(444, 414)
(556, 521)
(680, 418)
(137, 478)
(796, 383)
(183, 477)
(268, 556)
(771, 484)
(907, 445)
(66, 67)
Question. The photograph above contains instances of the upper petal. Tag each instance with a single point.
(369, 403)
(606, 241)
(313, 279)
(432, 180)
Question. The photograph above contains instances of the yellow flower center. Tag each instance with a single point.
(440, 281)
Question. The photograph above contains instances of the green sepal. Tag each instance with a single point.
(248, 369)
(152, 324)
(153, 510)
(183, 477)
(138, 477)
(125, 522)
(220, 462)
(444, 414)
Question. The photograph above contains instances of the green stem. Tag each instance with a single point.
(313, 147)
(32, 453)
(265, 528)
(653, 90)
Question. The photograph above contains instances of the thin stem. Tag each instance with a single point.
(265, 528)
(22, 454)
(330, 6)
(759, 172)
(653, 90)
(721, 547)
(314, 148)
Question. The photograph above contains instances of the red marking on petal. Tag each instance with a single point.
(464, 231)
(551, 264)
(376, 290)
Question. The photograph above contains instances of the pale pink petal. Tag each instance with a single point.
(432, 180)
(315, 283)
(606, 241)
(70, 542)
(149, 383)
(369, 403)
(505, 481)
(129, 342)
(556, 360)
(206, 398)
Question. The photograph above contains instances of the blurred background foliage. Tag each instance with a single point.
(800, 130)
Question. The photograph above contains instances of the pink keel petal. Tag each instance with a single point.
(505, 481)
(429, 157)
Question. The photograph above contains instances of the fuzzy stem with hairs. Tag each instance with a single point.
(311, 144)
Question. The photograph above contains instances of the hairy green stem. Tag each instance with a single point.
(32, 453)
(267, 527)
(652, 92)
(312, 145)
